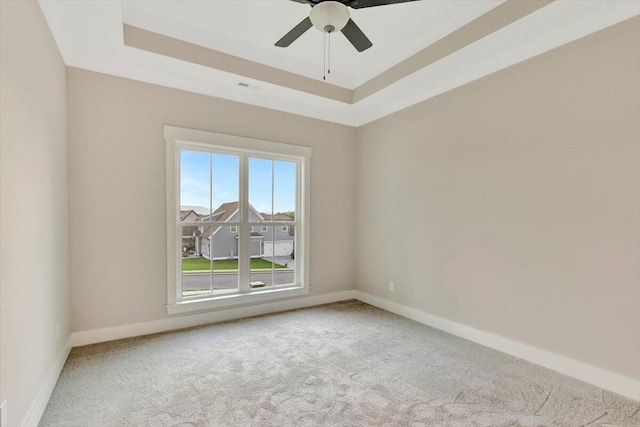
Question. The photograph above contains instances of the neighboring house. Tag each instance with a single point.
(200, 210)
(283, 243)
(189, 215)
(280, 246)
(189, 233)
(221, 242)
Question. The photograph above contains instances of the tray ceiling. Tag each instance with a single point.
(421, 49)
(249, 29)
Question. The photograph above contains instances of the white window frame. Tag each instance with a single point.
(264, 229)
(233, 229)
(285, 228)
(177, 138)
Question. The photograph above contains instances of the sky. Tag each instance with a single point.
(195, 183)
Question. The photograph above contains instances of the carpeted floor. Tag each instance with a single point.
(344, 364)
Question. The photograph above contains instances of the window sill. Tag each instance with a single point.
(233, 300)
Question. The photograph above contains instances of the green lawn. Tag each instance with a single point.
(224, 264)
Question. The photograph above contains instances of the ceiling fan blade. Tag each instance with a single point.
(297, 31)
(360, 4)
(355, 35)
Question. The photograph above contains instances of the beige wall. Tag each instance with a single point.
(33, 205)
(117, 191)
(512, 204)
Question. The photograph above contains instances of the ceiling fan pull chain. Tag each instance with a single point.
(324, 56)
(329, 58)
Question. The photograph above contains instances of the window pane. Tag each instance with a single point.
(284, 190)
(271, 258)
(284, 255)
(260, 186)
(225, 179)
(261, 267)
(196, 277)
(195, 184)
(210, 261)
(224, 252)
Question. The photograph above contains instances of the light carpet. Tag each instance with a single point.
(343, 364)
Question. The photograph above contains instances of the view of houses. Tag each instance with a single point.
(221, 242)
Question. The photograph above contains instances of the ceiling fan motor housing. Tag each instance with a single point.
(329, 16)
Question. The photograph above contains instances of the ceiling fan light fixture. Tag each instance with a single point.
(329, 16)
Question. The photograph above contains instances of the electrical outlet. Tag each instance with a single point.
(58, 330)
(392, 286)
(3, 414)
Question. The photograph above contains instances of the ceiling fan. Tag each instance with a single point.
(329, 16)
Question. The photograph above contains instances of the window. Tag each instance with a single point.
(234, 186)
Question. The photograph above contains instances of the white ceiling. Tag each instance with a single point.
(89, 34)
(249, 29)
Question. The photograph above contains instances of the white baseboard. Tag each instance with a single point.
(94, 336)
(132, 330)
(42, 398)
(603, 378)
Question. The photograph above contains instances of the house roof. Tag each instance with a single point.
(197, 209)
(223, 213)
(276, 217)
(184, 214)
(280, 217)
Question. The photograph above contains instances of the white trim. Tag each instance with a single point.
(236, 299)
(172, 159)
(599, 377)
(94, 336)
(264, 228)
(244, 244)
(39, 404)
(231, 229)
(302, 235)
(180, 138)
(608, 380)
(222, 141)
